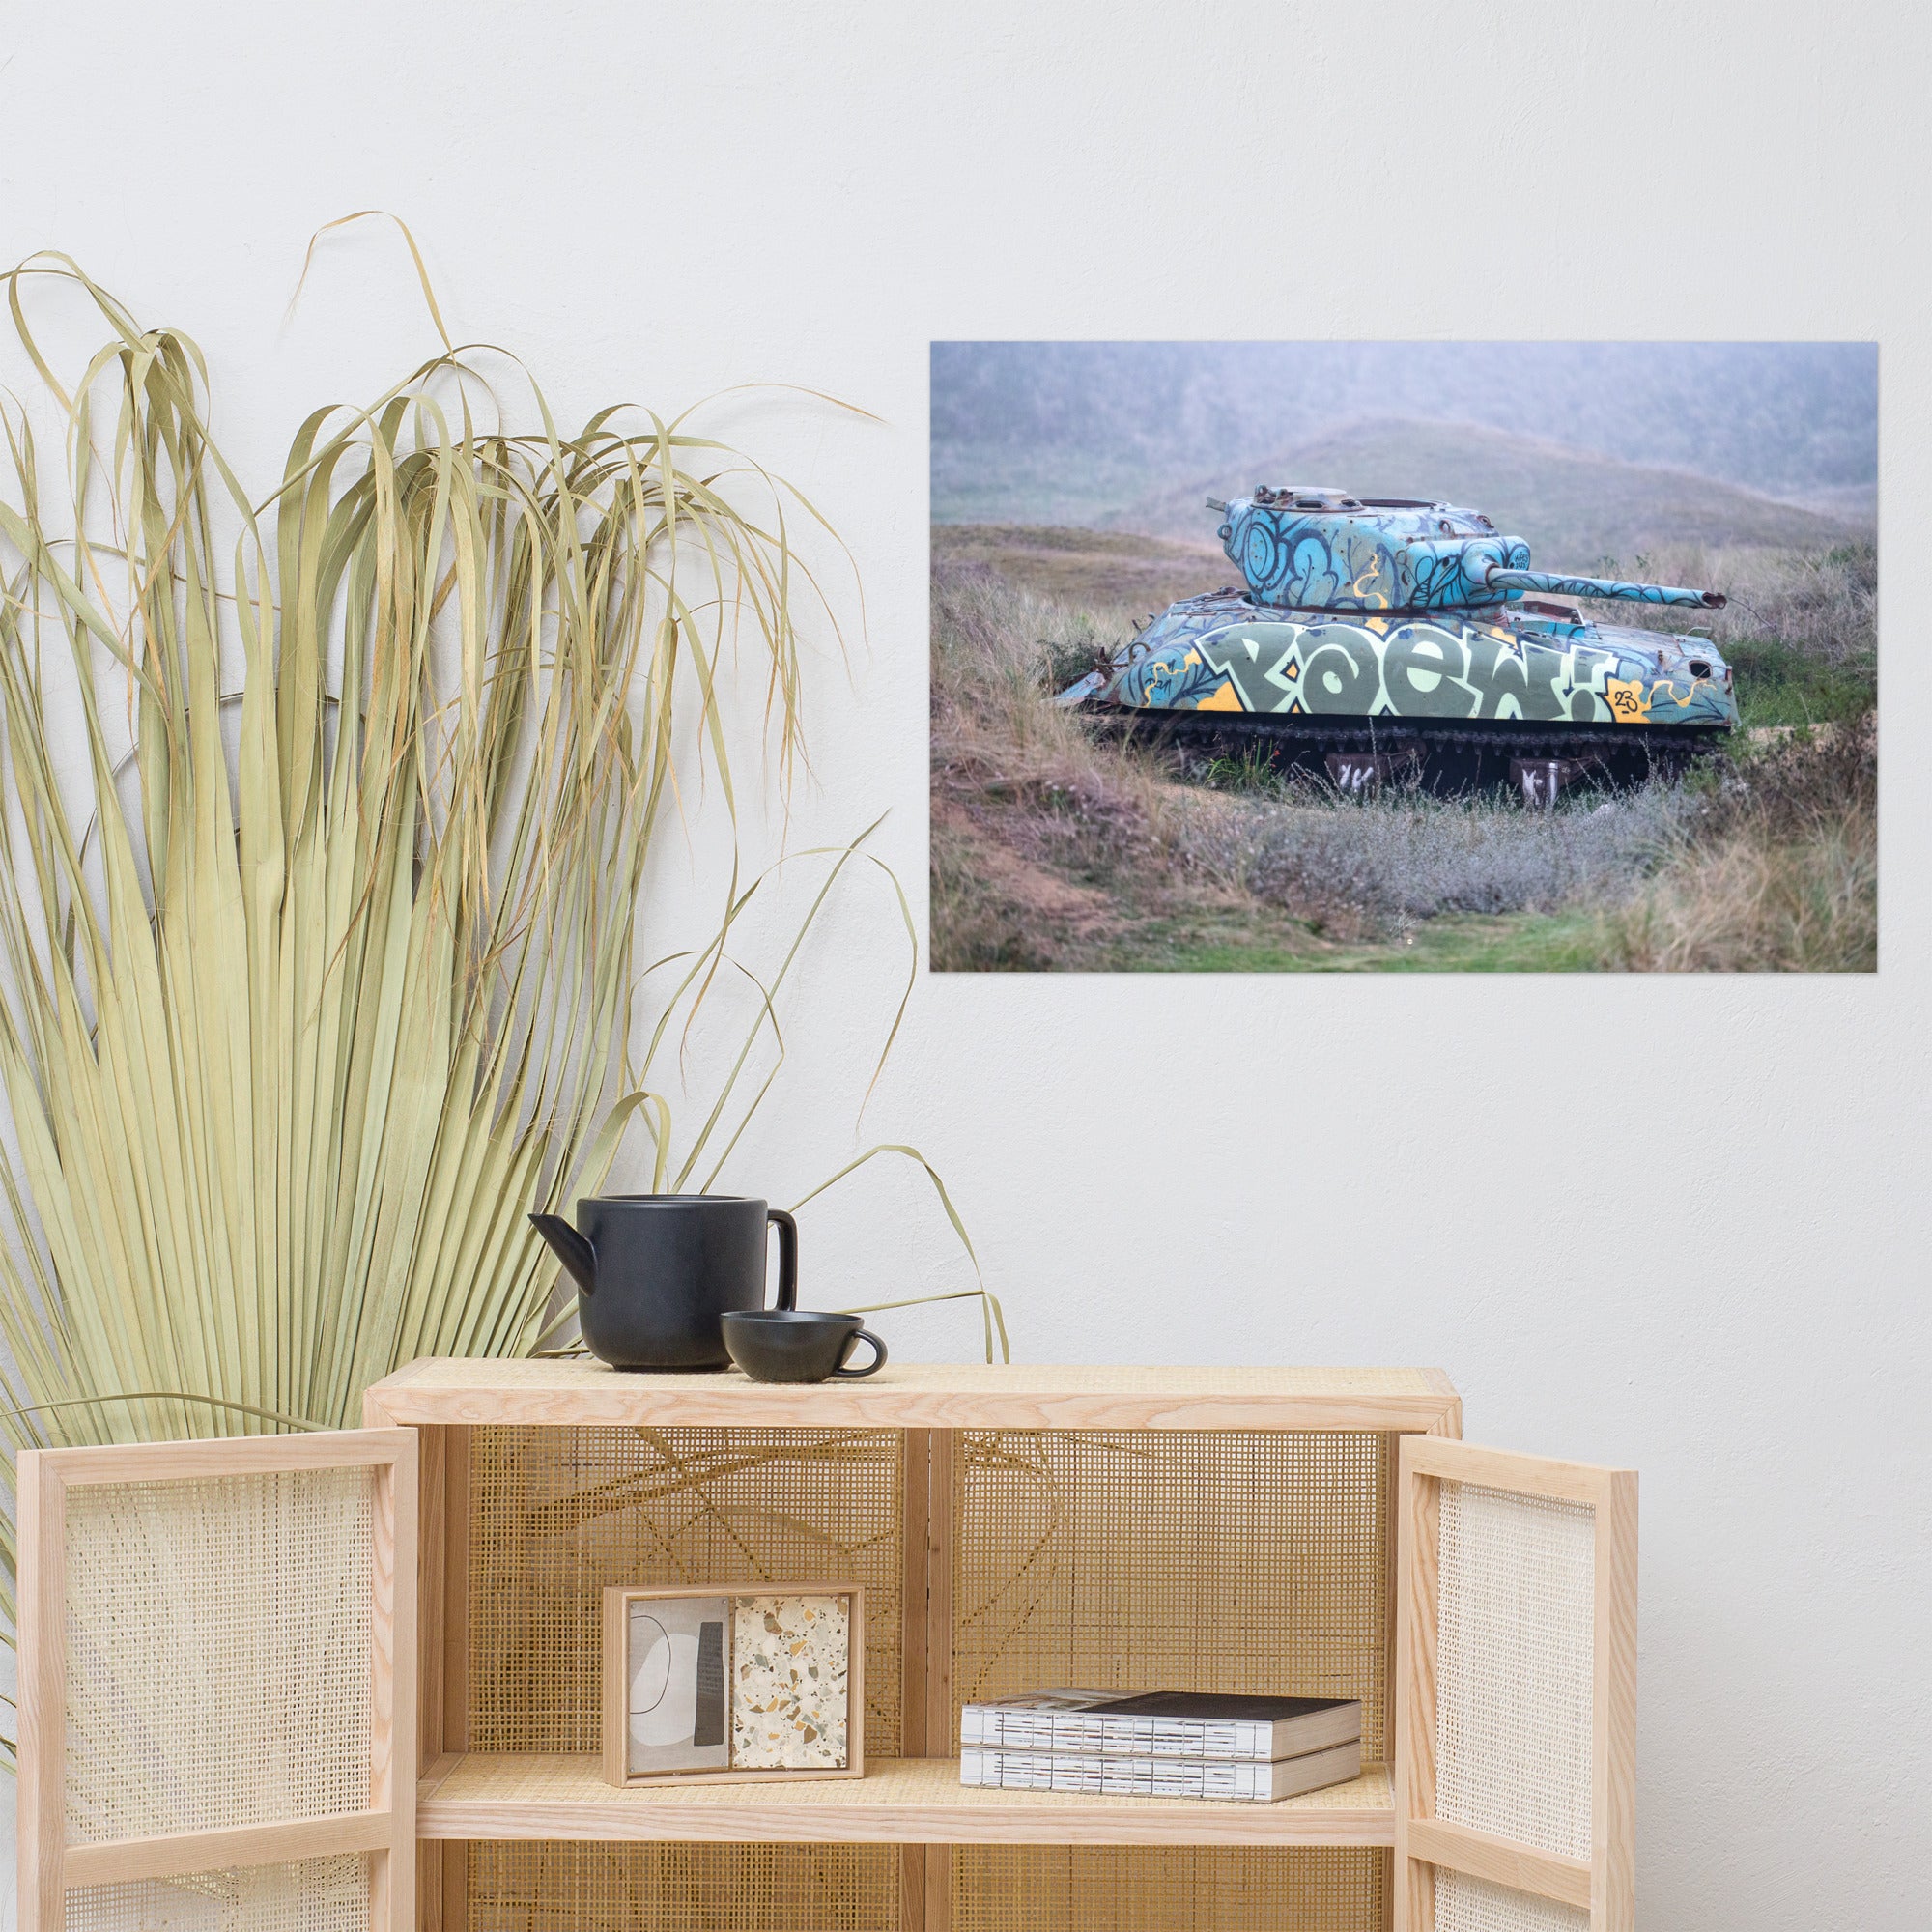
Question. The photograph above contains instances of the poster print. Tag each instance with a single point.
(1345, 656)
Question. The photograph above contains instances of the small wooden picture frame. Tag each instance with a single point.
(748, 1684)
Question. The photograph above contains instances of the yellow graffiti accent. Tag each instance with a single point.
(1223, 698)
(1669, 691)
(1379, 625)
(1368, 577)
(1626, 701)
(1192, 660)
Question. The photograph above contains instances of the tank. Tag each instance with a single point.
(1373, 637)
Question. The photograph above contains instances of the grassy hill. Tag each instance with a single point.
(1121, 574)
(1575, 510)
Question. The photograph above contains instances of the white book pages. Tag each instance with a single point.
(1230, 1782)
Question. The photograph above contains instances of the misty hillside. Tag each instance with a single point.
(1575, 510)
(1075, 432)
(1121, 576)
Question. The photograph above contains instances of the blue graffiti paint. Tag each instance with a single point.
(1515, 582)
(1325, 551)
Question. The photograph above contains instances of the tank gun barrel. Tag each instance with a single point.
(1520, 580)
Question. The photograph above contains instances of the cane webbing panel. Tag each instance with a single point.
(537, 1887)
(1464, 1904)
(1240, 1561)
(1513, 1667)
(313, 1895)
(1139, 1888)
(558, 1514)
(217, 1652)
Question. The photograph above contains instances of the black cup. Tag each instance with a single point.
(791, 1345)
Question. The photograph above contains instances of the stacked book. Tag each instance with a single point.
(1164, 1744)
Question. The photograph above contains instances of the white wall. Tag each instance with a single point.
(1678, 1223)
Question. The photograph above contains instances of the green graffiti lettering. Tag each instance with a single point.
(1340, 670)
(1253, 658)
(1588, 668)
(1423, 669)
(1522, 675)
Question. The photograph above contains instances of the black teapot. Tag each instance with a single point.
(655, 1272)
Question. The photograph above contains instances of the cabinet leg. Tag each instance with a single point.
(938, 1889)
(912, 1888)
(442, 1874)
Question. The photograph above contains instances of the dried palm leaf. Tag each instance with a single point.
(319, 973)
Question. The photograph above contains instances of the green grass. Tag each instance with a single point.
(1234, 941)
(1560, 942)
(1777, 685)
(1564, 942)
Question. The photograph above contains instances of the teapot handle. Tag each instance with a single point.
(787, 1257)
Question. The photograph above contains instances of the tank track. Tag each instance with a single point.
(1454, 754)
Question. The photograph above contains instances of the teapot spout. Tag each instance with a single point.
(570, 1248)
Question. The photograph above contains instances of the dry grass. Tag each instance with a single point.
(1121, 577)
(1049, 845)
(1027, 809)
(1403, 855)
(1821, 603)
(1778, 874)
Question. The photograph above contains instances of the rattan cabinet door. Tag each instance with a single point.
(218, 1684)
(1516, 1692)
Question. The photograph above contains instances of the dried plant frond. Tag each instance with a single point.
(319, 972)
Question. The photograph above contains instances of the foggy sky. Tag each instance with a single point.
(1784, 419)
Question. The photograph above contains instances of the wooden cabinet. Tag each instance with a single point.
(1208, 1528)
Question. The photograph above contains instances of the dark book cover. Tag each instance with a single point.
(1211, 1707)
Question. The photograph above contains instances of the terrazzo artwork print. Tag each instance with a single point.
(790, 1683)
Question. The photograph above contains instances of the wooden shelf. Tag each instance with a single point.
(582, 1392)
(898, 1801)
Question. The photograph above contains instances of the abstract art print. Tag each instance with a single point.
(751, 1684)
(1371, 656)
(676, 1702)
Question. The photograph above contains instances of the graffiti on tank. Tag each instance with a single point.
(1449, 669)
(1367, 563)
(1553, 583)
(1383, 609)
(1175, 680)
(1399, 556)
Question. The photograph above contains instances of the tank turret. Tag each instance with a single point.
(1317, 548)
